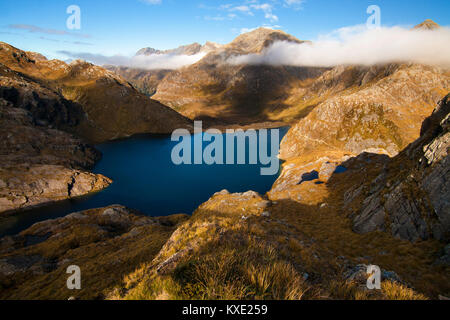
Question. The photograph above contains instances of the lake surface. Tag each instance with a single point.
(146, 179)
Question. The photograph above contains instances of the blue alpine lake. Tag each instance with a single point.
(145, 178)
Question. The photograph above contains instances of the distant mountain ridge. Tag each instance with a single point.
(255, 41)
(190, 49)
(220, 93)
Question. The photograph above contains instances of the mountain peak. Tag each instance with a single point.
(428, 25)
(147, 51)
(210, 46)
(190, 49)
(261, 32)
(256, 40)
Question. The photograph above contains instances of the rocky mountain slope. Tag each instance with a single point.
(48, 109)
(406, 195)
(214, 90)
(296, 242)
(410, 197)
(365, 182)
(364, 108)
(112, 107)
(220, 93)
(40, 162)
(146, 81)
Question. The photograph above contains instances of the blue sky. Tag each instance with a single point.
(124, 26)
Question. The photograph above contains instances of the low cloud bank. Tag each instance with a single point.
(359, 46)
(150, 62)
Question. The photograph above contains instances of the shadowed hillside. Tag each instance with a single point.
(113, 108)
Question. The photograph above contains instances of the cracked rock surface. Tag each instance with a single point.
(413, 201)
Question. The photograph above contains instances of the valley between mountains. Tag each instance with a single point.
(365, 178)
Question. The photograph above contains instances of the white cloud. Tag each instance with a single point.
(271, 17)
(251, 6)
(150, 62)
(264, 6)
(294, 3)
(267, 9)
(244, 9)
(359, 46)
(165, 61)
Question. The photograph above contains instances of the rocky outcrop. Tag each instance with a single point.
(25, 186)
(257, 40)
(105, 243)
(46, 106)
(236, 240)
(411, 195)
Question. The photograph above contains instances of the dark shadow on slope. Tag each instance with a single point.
(253, 91)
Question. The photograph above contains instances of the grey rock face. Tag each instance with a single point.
(359, 275)
(372, 216)
(417, 206)
(117, 215)
(406, 217)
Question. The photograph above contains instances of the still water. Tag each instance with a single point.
(146, 179)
